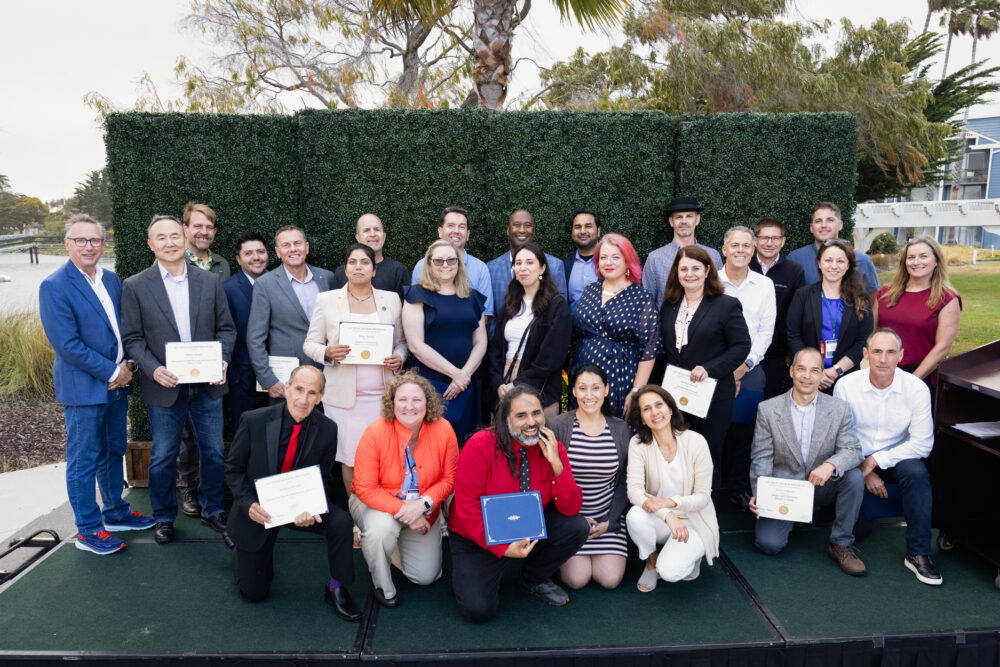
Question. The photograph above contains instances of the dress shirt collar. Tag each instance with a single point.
(752, 278)
(765, 267)
(586, 260)
(291, 278)
(895, 387)
(248, 277)
(98, 275)
(809, 406)
(177, 279)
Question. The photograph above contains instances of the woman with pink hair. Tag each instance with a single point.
(616, 323)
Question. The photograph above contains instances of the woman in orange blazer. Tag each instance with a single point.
(404, 470)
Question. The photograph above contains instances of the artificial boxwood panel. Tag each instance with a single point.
(747, 166)
(323, 169)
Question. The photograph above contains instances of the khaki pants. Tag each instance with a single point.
(386, 540)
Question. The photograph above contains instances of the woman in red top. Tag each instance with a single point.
(921, 306)
(404, 469)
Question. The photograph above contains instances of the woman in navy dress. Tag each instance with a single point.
(444, 317)
(616, 323)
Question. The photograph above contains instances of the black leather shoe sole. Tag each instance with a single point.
(163, 532)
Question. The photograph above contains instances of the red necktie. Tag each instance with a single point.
(292, 442)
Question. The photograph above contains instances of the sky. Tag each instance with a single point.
(58, 51)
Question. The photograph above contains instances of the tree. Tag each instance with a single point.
(91, 197)
(18, 211)
(4, 184)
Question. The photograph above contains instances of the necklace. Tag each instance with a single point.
(360, 300)
(609, 293)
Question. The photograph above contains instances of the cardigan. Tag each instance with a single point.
(696, 501)
(331, 309)
(562, 426)
(380, 461)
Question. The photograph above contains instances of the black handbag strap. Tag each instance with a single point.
(517, 354)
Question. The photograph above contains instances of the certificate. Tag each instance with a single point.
(693, 398)
(282, 368)
(195, 362)
(785, 499)
(289, 494)
(511, 517)
(370, 343)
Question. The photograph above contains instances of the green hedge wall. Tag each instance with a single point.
(323, 169)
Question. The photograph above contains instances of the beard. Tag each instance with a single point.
(525, 440)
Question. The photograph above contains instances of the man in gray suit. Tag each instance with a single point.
(282, 306)
(804, 434)
(169, 303)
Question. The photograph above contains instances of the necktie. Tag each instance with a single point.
(292, 443)
(525, 474)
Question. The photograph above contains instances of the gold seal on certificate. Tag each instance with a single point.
(195, 362)
(693, 398)
(370, 342)
(282, 368)
(786, 499)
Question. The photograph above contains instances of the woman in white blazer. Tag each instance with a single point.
(669, 483)
(353, 393)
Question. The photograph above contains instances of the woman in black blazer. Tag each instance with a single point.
(703, 330)
(533, 332)
(834, 315)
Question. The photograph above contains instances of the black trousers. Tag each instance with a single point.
(476, 572)
(254, 570)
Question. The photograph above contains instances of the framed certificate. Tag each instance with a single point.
(370, 342)
(693, 398)
(510, 517)
(282, 368)
(195, 362)
(287, 495)
(785, 499)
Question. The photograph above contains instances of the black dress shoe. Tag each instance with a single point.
(189, 503)
(342, 603)
(216, 522)
(741, 499)
(383, 600)
(163, 532)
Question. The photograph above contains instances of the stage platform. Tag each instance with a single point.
(178, 602)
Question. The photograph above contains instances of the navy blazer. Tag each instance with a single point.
(81, 334)
(805, 325)
(718, 340)
(239, 294)
(254, 454)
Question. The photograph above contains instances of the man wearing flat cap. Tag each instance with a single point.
(684, 215)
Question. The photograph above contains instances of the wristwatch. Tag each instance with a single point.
(838, 370)
(749, 364)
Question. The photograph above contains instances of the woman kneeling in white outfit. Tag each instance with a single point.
(669, 484)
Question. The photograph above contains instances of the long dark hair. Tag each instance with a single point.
(547, 289)
(599, 372)
(852, 286)
(500, 422)
(645, 434)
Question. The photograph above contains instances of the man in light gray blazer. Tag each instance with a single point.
(804, 434)
(283, 301)
(173, 302)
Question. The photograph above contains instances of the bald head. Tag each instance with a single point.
(369, 230)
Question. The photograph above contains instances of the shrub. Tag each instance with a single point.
(25, 356)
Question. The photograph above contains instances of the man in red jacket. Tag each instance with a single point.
(493, 462)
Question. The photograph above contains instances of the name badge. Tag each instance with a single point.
(413, 495)
(829, 347)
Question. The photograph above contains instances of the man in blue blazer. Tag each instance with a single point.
(80, 306)
(251, 256)
(283, 301)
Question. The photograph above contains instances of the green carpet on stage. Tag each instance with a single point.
(173, 598)
(707, 610)
(810, 596)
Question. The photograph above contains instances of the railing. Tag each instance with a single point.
(872, 219)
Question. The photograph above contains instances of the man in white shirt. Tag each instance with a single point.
(892, 418)
(756, 294)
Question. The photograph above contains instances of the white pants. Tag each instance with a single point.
(677, 560)
(386, 540)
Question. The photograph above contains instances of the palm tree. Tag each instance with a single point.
(494, 23)
(934, 6)
(956, 21)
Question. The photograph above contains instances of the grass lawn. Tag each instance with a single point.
(979, 286)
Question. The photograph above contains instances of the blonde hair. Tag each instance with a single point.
(939, 279)
(429, 282)
(192, 207)
(434, 408)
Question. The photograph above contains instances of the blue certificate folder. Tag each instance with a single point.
(509, 517)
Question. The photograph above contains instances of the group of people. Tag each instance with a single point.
(467, 404)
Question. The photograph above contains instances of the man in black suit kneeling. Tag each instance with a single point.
(279, 438)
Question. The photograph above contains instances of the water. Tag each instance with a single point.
(22, 292)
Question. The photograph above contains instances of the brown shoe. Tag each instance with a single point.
(847, 560)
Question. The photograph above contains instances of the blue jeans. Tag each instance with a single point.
(204, 413)
(95, 445)
(915, 491)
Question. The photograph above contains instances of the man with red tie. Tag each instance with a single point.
(276, 439)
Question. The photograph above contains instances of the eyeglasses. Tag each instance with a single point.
(446, 261)
(82, 243)
(769, 239)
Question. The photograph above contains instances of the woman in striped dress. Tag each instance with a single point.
(597, 446)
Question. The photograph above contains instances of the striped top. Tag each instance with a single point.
(594, 462)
